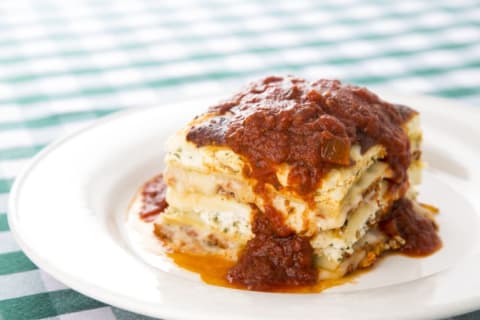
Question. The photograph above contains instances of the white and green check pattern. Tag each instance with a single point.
(65, 63)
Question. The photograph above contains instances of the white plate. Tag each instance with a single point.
(68, 212)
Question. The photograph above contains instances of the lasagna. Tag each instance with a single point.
(295, 182)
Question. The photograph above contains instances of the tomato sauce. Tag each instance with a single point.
(153, 198)
(418, 232)
(270, 261)
(214, 269)
(309, 125)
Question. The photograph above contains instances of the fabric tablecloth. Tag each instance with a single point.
(64, 64)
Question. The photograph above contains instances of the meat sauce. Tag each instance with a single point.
(310, 126)
(153, 198)
(214, 270)
(418, 232)
(270, 261)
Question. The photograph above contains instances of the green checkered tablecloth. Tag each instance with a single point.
(64, 64)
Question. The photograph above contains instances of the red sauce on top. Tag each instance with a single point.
(309, 125)
(419, 232)
(153, 198)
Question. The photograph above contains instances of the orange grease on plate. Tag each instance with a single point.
(213, 269)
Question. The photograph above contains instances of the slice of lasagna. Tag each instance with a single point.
(296, 182)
